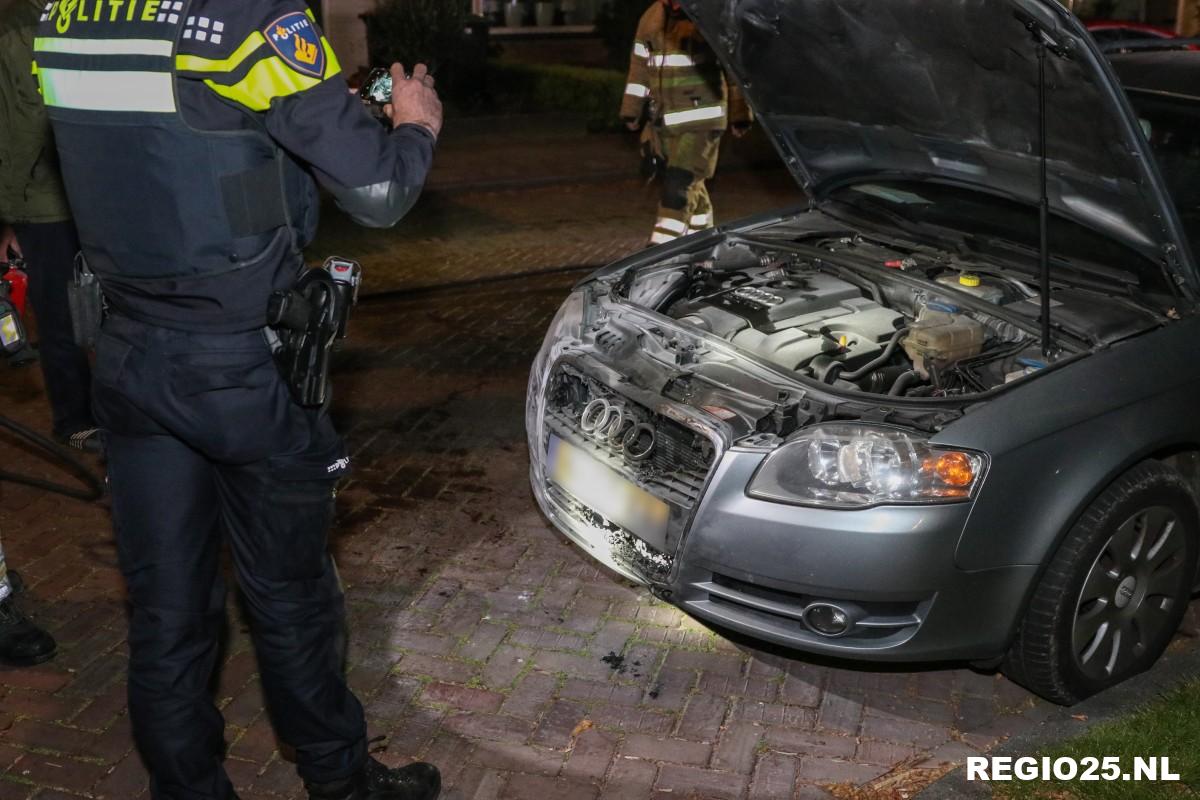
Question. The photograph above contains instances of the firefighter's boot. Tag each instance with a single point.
(22, 644)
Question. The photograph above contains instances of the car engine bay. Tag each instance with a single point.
(869, 316)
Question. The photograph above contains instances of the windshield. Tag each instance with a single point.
(1001, 227)
(1173, 127)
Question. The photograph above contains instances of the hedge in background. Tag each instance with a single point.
(414, 31)
(519, 88)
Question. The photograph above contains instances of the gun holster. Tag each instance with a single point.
(306, 321)
(86, 303)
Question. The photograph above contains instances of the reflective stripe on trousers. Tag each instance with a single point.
(668, 229)
(700, 222)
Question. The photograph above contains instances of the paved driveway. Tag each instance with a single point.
(479, 639)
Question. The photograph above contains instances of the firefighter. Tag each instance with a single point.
(676, 81)
(192, 135)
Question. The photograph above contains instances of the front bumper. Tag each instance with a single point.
(753, 566)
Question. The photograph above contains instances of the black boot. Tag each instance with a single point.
(16, 582)
(376, 782)
(22, 644)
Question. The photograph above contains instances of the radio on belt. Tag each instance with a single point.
(306, 320)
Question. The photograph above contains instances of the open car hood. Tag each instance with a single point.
(855, 90)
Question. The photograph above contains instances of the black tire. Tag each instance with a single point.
(1134, 550)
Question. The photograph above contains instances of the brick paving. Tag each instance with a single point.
(479, 639)
(507, 197)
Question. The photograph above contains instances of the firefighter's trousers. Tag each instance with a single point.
(205, 446)
(685, 206)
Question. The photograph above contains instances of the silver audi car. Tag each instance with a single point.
(945, 408)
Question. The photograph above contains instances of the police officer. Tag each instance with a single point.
(675, 74)
(190, 133)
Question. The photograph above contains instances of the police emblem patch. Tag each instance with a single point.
(295, 38)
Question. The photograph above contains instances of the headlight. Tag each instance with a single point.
(566, 326)
(852, 466)
(566, 322)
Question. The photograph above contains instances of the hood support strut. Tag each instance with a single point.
(1043, 203)
(1045, 43)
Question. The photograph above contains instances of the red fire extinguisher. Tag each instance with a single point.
(18, 284)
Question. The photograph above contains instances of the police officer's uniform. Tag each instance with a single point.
(675, 72)
(190, 132)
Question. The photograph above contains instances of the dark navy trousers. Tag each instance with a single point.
(206, 445)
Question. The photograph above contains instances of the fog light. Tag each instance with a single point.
(827, 620)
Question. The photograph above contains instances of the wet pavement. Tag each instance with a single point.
(479, 639)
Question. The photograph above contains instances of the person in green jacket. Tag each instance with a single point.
(34, 219)
(35, 224)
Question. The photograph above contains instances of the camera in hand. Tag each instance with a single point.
(377, 88)
(376, 92)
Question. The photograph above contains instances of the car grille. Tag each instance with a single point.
(675, 472)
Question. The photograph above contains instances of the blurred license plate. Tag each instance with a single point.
(608, 494)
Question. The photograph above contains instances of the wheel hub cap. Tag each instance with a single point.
(1125, 591)
(1125, 607)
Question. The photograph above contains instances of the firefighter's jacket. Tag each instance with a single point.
(674, 70)
(191, 135)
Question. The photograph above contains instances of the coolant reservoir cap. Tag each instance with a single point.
(968, 279)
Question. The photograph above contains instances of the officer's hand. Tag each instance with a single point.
(633, 125)
(414, 100)
(8, 241)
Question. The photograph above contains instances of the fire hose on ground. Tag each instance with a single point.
(55, 453)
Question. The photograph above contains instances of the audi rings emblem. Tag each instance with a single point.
(613, 426)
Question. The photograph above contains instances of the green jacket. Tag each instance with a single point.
(31, 187)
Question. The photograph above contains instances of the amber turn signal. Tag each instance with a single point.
(953, 469)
